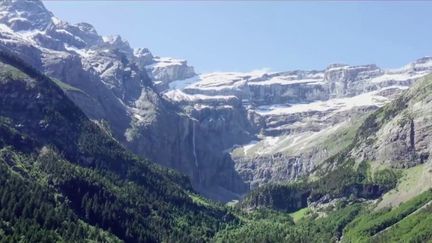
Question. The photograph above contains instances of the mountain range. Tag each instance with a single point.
(101, 141)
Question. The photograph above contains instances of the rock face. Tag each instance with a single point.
(35, 17)
(164, 70)
(303, 117)
(227, 131)
(115, 84)
(397, 135)
(400, 134)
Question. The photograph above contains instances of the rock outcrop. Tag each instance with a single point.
(295, 113)
(226, 131)
(399, 135)
(116, 85)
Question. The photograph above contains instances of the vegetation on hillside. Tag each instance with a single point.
(64, 179)
(68, 180)
(355, 187)
(345, 222)
(369, 225)
(344, 181)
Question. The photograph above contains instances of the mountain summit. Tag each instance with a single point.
(120, 88)
(23, 15)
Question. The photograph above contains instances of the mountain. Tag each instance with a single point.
(228, 132)
(396, 137)
(66, 179)
(297, 119)
(118, 92)
(334, 155)
(377, 189)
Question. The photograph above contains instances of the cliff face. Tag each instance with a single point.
(399, 135)
(68, 172)
(227, 131)
(300, 118)
(387, 156)
(117, 86)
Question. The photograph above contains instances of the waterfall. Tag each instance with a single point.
(193, 144)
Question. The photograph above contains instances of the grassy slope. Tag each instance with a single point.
(67, 87)
(414, 228)
(300, 214)
(370, 224)
(413, 182)
(358, 222)
(332, 139)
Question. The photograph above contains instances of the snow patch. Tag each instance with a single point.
(397, 77)
(138, 117)
(248, 146)
(181, 84)
(178, 95)
(81, 52)
(224, 80)
(338, 104)
(163, 62)
(284, 81)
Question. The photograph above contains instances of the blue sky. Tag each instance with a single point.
(244, 36)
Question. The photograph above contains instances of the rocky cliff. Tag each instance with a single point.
(302, 117)
(227, 131)
(399, 134)
(117, 86)
(386, 157)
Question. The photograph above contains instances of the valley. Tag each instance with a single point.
(101, 141)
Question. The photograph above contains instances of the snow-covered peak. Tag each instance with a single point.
(115, 41)
(24, 15)
(167, 61)
(413, 70)
(112, 39)
(422, 64)
(86, 27)
(235, 80)
(29, 22)
(56, 21)
(423, 60)
(81, 35)
(144, 56)
(339, 87)
(351, 73)
(165, 70)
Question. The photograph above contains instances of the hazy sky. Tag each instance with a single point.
(243, 35)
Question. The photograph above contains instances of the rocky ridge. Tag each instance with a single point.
(226, 131)
(303, 117)
(117, 87)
